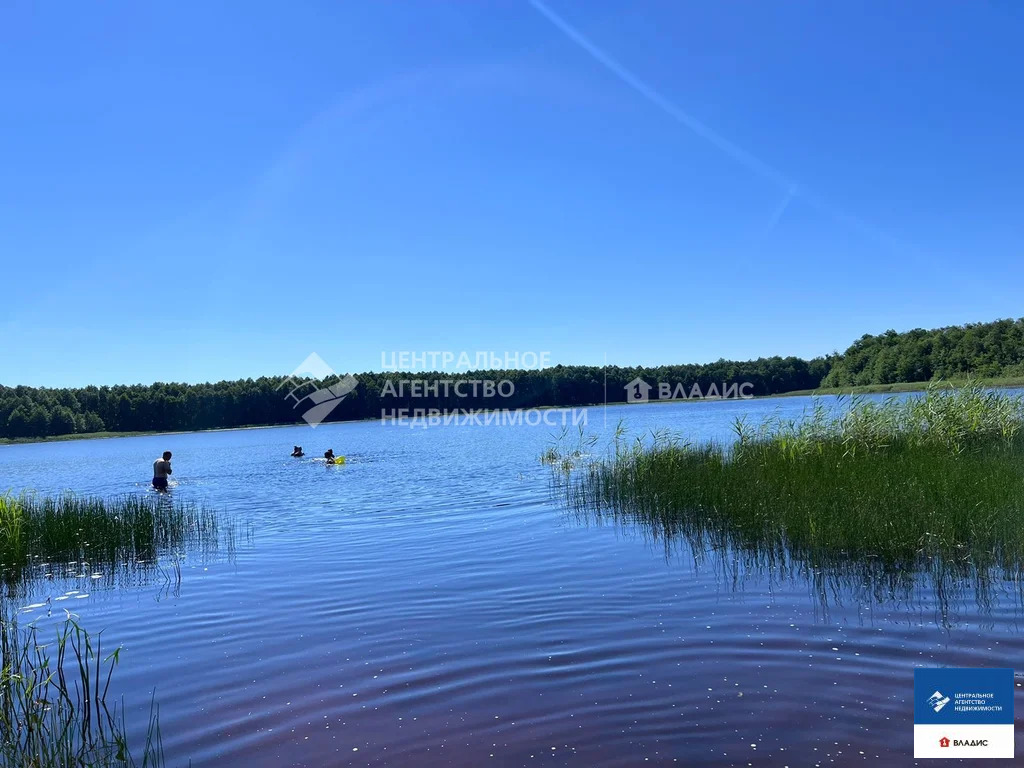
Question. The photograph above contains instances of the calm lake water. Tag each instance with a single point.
(430, 603)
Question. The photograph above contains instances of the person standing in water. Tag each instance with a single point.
(297, 451)
(161, 470)
(329, 455)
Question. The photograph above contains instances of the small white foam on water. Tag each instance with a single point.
(62, 597)
(97, 576)
(80, 597)
(72, 592)
(33, 606)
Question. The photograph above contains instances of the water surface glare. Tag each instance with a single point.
(430, 603)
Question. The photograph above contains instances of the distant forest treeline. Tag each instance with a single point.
(984, 350)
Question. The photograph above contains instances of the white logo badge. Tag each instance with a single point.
(321, 400)
(937, 701)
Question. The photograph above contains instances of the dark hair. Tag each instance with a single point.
(167, 454)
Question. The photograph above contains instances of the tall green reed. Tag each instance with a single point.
(123, 530)
(54, 710)
(903, 483)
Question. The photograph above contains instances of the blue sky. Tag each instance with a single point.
(204, 191)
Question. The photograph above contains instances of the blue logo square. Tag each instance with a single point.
(961, 696)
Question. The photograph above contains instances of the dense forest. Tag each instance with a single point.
(989, 349)
(983, 350)
(30, 412)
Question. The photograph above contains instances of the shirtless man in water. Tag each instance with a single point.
(161, 469)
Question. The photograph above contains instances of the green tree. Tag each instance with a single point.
(17, 422)
(38, 422)
(62, 421)
(92, 422)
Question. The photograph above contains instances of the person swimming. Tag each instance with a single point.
(161, 469)
(329, 455)
(298, 451)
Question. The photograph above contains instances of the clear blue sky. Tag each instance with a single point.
(198, 191)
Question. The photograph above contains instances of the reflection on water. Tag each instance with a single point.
(66, 546)
(944, 588)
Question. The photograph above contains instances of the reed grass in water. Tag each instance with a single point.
(123, 529)
(54, 711)
(904, 481)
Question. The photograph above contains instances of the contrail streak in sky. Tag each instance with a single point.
(777, 214)
(790, 186)
(736, 152)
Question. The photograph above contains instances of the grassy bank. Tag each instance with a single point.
(899, 482)
(74, 436)
(109, 435)
(1005, 382)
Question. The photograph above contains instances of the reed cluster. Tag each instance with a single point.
(902, 481)
(54, 711)
(37, 529)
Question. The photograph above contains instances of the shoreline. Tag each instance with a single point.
(865, 389)
(1009, 382)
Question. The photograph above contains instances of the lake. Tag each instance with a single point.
(431, 603)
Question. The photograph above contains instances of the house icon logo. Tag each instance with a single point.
(638, 391)
(943, 742)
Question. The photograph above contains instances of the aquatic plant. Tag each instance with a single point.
(557, 455)
(12, 541)
(53, 702)
(901, 482)
(37, 530)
